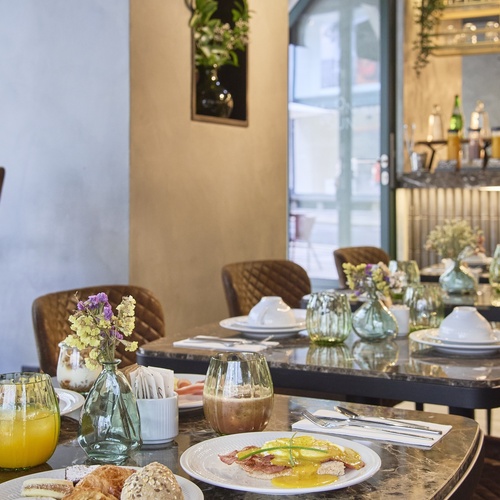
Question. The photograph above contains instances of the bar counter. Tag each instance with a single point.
(451, 465)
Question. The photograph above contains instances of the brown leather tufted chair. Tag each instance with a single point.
(51, 312)
(357, 255)
(245, 283)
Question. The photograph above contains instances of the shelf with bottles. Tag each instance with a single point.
(468, 27)
(484, 160)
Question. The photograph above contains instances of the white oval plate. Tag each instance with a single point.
(202, 462)
(11, 490)
(69, 401)
(190, 401)
(425, 337)
(434, 334)
(240, 324)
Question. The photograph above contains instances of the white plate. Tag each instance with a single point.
(423, 337)
(433, 333)
(69, 401)
(240, 324)
(201, 461)
(11, 490)
(190, 401)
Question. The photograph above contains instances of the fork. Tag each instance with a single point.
(342, 423)
(323, 423)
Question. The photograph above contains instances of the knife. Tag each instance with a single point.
(390, 421)
(369, 423)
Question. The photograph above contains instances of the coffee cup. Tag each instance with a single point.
(271, 312)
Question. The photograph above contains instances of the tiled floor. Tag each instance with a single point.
(480, 415)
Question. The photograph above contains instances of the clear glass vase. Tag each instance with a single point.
(494, 272)
(373, 321)
(457, 280)
(212, 98)
(110, 423)
(328, 318)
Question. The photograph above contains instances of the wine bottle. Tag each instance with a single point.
(456, 120)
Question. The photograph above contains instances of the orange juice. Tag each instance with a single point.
(27, 439)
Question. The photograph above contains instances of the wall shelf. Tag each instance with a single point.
(468, 27)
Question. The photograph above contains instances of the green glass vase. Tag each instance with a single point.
(372, 321)
(457, 280)
(109, 423)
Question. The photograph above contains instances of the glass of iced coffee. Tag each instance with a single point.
(238, 393)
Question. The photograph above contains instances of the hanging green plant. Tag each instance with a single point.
(217, 42)
(427, 16)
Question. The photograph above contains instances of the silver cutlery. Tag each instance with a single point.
(227, 342)
(331, 423)
(392, 422)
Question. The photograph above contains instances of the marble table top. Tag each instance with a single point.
(395, 369)
(406, 472)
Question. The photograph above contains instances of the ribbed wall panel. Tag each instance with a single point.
(428, 208)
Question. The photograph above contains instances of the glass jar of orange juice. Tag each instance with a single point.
(29, 420)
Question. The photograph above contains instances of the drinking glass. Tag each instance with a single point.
(238, 393)
(72, 372)
(29, 420)
(328, 318)
(426, 306)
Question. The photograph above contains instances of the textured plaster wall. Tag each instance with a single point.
(203, 194)
(64, 131)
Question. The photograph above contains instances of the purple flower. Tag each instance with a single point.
(108, 312)
(81, 305)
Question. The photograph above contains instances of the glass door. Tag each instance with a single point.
(339, 140)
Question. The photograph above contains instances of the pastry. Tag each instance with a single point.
(46, 487)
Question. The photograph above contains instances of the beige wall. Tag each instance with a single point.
(203, 194)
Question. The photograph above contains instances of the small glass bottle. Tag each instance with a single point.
(456, 120)
(474, 145)
(435, 125)
(495, 142)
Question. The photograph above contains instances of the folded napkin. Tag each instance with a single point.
(378, 434)
(225, 344)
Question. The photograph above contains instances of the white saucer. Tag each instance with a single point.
(425, 337)
(434, 334)
(240, 324)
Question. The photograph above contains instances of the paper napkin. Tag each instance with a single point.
(377, 434)
(224, 344)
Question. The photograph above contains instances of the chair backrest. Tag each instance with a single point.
(357, 255)
(245, 283)
(51, 312)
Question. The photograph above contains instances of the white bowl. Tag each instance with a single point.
(464, 324)
(271, 311)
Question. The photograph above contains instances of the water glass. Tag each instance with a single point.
(29, 420)
(328, 318)
(426, 306)
(238, 393)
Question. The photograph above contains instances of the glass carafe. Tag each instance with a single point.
(29, 420)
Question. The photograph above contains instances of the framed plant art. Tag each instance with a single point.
(220, 37)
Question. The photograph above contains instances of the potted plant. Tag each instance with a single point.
(427, 16)
(216, 44)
